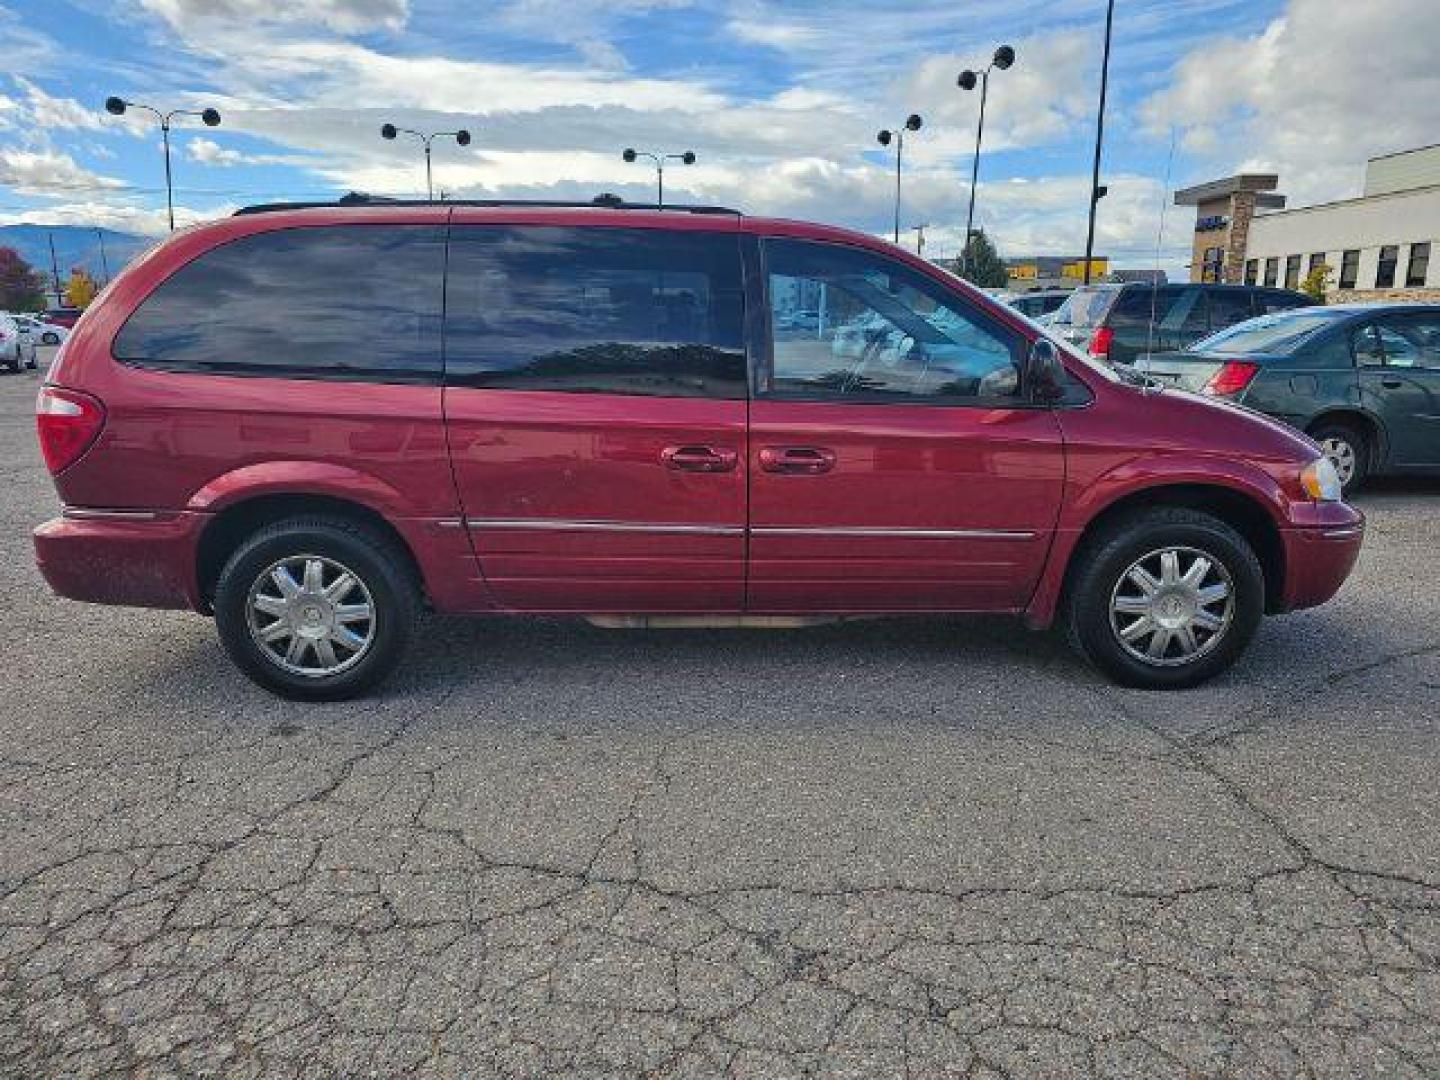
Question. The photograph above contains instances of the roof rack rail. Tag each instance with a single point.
(606, 201)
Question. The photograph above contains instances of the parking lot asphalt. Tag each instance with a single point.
(922, 847)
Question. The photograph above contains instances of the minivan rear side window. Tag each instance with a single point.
(599, 310)
(343, 302)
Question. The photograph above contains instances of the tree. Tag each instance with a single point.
(21, 288)
(81, 288)
(1316, 282)
(981, 264)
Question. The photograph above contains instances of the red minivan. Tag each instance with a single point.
(314, 421)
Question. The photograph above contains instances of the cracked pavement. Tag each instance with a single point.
(922, 848)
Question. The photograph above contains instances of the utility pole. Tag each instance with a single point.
(104, 262)
(920, 237)
(55, 272)
(1097, 192)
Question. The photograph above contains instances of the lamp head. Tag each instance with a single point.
(1004, 57)
(913, 122)
(211, 117)
(115, 106)
(387, 131)
(688, 157)
(462, 137)
(884, 138)
(967, 80)
(629, 155)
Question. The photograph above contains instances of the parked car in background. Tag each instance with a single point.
(64, 316)
(1362, 380)
(1038, 303)
(314, 422)
(17, 351)
(1117, 323)
(42, 332)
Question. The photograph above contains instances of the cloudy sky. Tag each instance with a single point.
(781, 101)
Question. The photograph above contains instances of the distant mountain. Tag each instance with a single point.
(75, 245)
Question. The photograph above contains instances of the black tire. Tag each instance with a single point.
(1334, 436)
(382, 571)
(1101, 573)
(15, 363)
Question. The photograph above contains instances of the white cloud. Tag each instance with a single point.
(1311, 96)
(121, 216)
(48, 172)
(342, 16)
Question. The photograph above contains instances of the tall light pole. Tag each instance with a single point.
(897, 136)
(1003, 58)
(116, 107)
(1097, 191)
(919, 231)
(104, 262)
(462, 137)
(630, 156)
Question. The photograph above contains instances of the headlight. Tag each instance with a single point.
(1320, 481)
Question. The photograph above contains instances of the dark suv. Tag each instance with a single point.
(1118, 323)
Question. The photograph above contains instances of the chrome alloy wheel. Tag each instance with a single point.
(1341, 453)
(311, 615)
(1172, 606)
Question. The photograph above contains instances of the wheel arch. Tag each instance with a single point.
(1245, 513)
(1369, 425)
(228, 528)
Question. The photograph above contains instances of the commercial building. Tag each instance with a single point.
(1052, 271)
(1378, 245)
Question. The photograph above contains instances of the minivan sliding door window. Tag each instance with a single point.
(595, 310)
(351, 303)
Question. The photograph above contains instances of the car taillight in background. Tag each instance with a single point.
(68, 422)
(1100, 340)
(1232, 378)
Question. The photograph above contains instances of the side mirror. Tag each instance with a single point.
(1045, 372)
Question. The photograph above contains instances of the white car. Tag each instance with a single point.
(16, 349)
(42, 332)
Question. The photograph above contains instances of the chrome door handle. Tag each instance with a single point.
(798, 460)
(709, 459)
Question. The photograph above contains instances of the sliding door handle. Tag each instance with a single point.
(710, 459)
(799, 460)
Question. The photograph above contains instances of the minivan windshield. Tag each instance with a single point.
(1085, 307)
(1279, 332)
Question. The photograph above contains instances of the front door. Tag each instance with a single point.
(1400, 381)
(894, 464)
(595, 403)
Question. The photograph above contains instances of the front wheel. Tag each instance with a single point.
(1348, 451)
(1165, 599)
(317, 609)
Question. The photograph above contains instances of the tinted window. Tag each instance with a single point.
(1365, 344)
(1349, 268)
(1279, 301)
(598, 310)
(1385, 267)
(851, 325)
(1411, 341)
(358, 302)
(1228, 307)
(1085, 307)
(1136, 307)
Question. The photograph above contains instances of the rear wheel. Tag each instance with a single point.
(1165, 599)
(318, 609)
(1348, 450)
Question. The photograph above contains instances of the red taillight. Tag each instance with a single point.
(1232, 378)
(68, 422)
(1100, 342)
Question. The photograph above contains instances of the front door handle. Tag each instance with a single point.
(699, 458)
(802, 460)
(1391, 383)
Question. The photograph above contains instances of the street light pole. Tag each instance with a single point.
(461, 137)
(897, 136)
(117, 106)
(1097, 192)
(630, 156)
(1003, 58)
